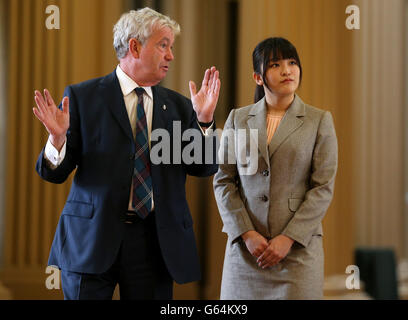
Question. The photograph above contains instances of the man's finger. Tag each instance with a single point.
(65, 105)
(214, 81)
(47, 94)
(38, 114)
(40, 105)
(218, 87)
(40, 99)
(206, 78)
(193, 88)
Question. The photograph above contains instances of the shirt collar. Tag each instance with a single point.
(127, 84)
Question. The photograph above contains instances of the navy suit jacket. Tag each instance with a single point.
(100, 146)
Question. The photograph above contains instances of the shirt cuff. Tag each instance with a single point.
(205, 132)
(53, 156)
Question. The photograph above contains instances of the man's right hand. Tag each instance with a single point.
(56, 121)
(255, 242)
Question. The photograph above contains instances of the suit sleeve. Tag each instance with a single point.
(206, 162)
(73, 146)
(317, 200)
(226, 187)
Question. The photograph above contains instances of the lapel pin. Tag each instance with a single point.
(164, 107)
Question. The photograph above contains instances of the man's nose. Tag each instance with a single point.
(170, 55)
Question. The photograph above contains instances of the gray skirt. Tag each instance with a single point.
(298, 276)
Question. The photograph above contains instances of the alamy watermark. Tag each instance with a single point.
(353, 280)
(53, 20)
(229, 146)
(52, 282)
(353, 20)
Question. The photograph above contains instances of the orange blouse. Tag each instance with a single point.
(273, 119)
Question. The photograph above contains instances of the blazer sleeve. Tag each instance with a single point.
(206, 164)
(317, 199)
(61, 173)
(226, 186)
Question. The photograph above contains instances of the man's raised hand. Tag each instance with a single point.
(205, 100)
(56, 121)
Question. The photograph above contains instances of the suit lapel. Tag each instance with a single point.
(112, 95)
(289, 124)
(161, 114)
(257, 120)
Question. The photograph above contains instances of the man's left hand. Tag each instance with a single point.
(205, 100)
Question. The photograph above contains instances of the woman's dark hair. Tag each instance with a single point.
(272, 49)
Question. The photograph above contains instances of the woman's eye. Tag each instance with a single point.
(274, 65)
(293, 62)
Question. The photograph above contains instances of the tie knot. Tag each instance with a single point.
(139, 91)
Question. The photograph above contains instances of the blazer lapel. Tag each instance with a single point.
(161, 116)
(112, 96)
(289, 124)
(257, 120)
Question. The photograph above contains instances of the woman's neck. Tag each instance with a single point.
(276, 102)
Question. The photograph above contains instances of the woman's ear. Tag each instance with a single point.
(258, 79)
(134, 47)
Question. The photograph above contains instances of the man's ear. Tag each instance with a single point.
(134, 47)
(258, 79)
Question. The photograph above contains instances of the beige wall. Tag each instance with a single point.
(405, 30)
(2, 123)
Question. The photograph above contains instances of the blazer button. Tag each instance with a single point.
(264, 198)
(265, 173)
(132, 157)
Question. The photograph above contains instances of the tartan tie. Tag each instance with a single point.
(142, 180)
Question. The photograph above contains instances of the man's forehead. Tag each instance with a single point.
(164, 39)
(163, 33)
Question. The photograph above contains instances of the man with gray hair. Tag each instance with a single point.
(126, 220)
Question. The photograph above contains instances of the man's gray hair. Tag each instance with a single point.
(139, 24)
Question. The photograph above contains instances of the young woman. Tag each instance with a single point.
(273, 215)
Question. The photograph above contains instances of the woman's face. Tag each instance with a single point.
(282, 77)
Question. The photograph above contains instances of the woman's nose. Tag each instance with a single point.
(285, 70)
